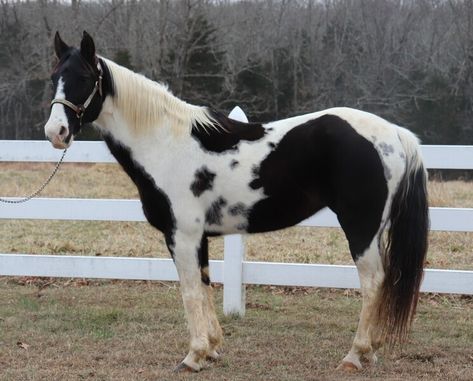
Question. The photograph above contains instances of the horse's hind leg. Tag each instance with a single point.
(367, 339)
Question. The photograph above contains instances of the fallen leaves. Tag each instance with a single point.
(22, 345)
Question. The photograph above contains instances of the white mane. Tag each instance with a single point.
(146, 104)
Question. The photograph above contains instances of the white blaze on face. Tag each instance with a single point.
(57, 127)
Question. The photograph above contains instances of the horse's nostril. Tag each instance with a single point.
(63, 131)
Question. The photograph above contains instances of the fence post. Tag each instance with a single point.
(234, 255)
(233, 288)
(238, 114)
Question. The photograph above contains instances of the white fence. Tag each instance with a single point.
(234, 272)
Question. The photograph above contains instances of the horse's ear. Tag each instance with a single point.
(87, 48)
(60, 47)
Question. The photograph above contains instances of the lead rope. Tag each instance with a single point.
(36, 193)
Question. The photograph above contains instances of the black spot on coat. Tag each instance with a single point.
(203, 181)
(256, 182)
(227, 134)
(214, 214)
(386, 149)
(238, 209)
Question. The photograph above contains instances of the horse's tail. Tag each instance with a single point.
(406, 246)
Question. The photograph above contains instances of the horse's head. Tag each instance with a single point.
(77, 87)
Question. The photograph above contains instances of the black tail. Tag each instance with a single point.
(406, 248)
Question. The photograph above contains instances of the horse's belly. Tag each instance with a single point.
(279, 212)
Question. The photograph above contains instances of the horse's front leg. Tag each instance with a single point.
(215, 331)
(186, 257)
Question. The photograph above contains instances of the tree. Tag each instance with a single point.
(201, 70)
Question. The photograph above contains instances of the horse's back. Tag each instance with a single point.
(365, 123)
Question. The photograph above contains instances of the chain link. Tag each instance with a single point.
(36, 193)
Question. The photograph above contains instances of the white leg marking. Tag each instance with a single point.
(185, 256)
(371, 273)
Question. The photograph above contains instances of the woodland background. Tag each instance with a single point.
(408, 61)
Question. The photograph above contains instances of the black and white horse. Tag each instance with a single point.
(201, 174)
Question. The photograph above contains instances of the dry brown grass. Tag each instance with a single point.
(453, 194)
(135, 331)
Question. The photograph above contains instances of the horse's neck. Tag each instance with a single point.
(112, 124)
(145, 104)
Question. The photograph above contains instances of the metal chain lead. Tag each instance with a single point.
(36, 193)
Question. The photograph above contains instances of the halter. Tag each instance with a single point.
(80, 109)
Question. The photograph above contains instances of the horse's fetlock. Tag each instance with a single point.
(216, 340)
(363, 346)
(200, 346)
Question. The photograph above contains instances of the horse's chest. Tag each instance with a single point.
(216, 192)
(212, 189)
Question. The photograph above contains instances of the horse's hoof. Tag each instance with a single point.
(213, 356)
(184, 368)
(348, 366)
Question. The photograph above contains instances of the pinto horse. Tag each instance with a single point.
(200, 174)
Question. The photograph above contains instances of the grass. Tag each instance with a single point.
(135, 331)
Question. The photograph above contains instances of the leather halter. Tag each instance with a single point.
(80, 108)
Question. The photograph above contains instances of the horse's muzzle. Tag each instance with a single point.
(60, 142)
(59, 135)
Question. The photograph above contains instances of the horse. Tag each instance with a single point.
(201, 174)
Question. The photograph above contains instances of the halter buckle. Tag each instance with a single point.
(80, 111)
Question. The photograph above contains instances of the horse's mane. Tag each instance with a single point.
(146, 104)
